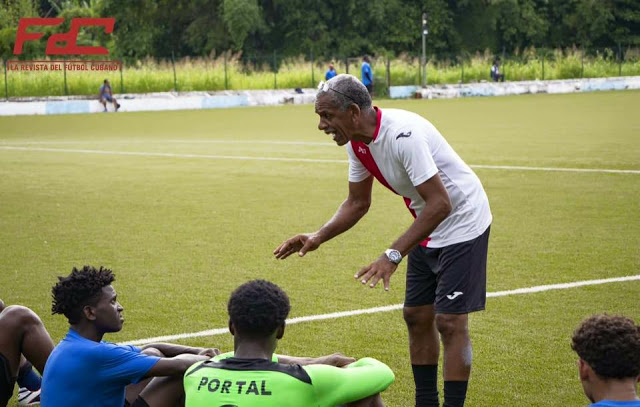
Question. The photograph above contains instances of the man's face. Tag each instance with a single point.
(108, 311)
(334, 121)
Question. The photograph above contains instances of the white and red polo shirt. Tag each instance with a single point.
(406, 151)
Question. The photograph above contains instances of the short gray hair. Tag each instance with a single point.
(345, 89)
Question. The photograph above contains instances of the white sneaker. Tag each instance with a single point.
(27, 397)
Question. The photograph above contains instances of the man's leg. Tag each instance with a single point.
(371, 401)
(21, 332)
(424, 351)
(454, 331)
(132, 391)
(162, 392)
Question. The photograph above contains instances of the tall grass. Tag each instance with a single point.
(237, 73)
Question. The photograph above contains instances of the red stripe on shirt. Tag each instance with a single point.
(363, 153)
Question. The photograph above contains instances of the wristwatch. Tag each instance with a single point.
(394, 256)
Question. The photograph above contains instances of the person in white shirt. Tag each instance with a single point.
(446, 244)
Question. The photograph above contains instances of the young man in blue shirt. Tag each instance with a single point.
(106, 95)
(609, 365)
(83, 370)
(367, 75)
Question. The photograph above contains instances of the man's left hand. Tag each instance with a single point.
(381, 269)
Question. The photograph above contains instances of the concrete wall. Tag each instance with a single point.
(226, 99)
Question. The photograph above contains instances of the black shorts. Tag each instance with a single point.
(454, 278)
(7, 381)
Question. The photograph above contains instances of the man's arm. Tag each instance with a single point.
(170, 350)
(335, 359)
(335, 386)
(174, 366)
(348, 214)
(437, 208)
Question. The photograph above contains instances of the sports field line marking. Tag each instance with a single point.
(173, 141)
(285, 159)
(335, 315)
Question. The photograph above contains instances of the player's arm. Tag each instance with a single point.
(437, 208)
(335, 386)
(174, 366)
(348, 214)
(335, 359)
(170, 350)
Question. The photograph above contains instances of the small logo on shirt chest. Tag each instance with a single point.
(407, 134)
(362, 150)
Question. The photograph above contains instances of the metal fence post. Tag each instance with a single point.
(226, 80)
(275, 72)
(6, 84)
(121, 79)
(388, 64)
(64, 69)
(313, 79)
(462, 70)
(543, 65)
(175, 79)
(582, 64)
(619, 59)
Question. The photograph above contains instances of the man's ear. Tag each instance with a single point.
(89, 312)
(280, 331)
(355, 112)
(232, 328)
(584, 370)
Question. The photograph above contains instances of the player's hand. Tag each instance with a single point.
(381, 269)
(302, 244)
(335, 359)
(210, 352)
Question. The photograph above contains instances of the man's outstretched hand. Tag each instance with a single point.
(303, 243)
(381, 269)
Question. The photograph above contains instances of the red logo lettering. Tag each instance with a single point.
(70, 38)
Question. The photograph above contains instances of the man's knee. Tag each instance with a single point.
(20, 317)
(153, 352)
(450, 325)
(418, 317)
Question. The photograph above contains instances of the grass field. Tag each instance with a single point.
(182, 231)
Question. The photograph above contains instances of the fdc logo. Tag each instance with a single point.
(70, 38)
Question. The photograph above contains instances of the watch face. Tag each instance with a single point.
(394, 256)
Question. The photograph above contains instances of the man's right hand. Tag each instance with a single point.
(302, 244)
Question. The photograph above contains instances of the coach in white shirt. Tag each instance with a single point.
(446, 245)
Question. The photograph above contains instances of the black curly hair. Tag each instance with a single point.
(257, 308)
(610, 344)
(80, 288)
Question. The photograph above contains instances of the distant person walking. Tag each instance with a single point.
(330, 73)
(106, 95)
(367, 75)
(496, 76)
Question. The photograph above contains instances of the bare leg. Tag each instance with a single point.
(457, 346)
(164, 392)
(22, 332)
(424, 344)
(133, 390)
(371, 401)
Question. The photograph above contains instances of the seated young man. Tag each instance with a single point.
(609, 365)
(252, 376)
(83, 370)
(23, 341)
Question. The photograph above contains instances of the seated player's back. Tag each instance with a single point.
(260, 382)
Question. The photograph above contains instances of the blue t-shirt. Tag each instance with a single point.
(367, 76)
(81, 372)
(330, 74)
(610, 403)
(103, 90)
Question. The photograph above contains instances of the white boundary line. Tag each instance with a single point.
(286, 159)
(335, 315)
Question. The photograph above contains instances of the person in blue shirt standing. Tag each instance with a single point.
(83, 370)
(609, 350)
(367, 75)
(330, 73)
